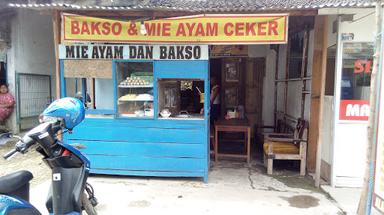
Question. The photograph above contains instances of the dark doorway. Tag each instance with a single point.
(3, 73)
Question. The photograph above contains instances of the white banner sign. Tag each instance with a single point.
(134, 52)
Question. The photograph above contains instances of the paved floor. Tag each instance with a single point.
(232, 188)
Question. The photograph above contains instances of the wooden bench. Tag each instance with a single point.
(287, 146)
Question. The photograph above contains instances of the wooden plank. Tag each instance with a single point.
(304, 64)
(196, 173)
(317, 89)
(249, 146)
(216, 145)
(147, 163)
(140, 149)
(286, 77)
(287, 156)
(270, 167)
(142, 123)
(138, 15)
(322, 95)
(231, 155)
(157, 135)
(275, 89)
(56, 21)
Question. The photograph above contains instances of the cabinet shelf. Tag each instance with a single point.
(137, 100)
(136, 86)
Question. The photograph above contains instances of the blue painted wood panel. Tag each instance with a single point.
(140, 149)
(162, 164)
(137, 133)
(131, 146)
(182, 69)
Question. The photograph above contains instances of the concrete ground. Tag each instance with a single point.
(346, 198)
(233, 187)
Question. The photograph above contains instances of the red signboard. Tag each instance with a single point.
(354, 110)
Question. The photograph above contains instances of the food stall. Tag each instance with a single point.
(146, 87)
(145, 107)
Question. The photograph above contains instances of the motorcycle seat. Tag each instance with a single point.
(11, 182)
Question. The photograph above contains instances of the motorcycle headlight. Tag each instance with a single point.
(43, 119)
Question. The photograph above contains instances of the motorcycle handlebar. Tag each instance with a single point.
(9, 154)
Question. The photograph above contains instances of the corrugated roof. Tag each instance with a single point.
(204, 5)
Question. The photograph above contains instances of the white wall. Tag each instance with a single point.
(32, 49)
(327, 134)
(329, 107)
(332, 35)
(269, 88)
(362, 25)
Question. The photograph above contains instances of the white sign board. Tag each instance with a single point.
(134, 52)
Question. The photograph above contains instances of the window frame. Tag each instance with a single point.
(114, 77)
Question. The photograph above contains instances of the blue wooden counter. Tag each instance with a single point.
(144, 147)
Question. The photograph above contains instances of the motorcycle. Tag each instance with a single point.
(69, 192)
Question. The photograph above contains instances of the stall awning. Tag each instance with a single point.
(197, 5)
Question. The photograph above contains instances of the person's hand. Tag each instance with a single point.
(202, 111)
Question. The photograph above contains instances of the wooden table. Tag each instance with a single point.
(233, 125)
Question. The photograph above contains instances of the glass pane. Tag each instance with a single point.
(356, 81)
(96, 93)
(181, 98)
(135, 89)
(356, 72)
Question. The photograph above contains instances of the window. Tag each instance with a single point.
(181, 98)
(356, 71)
(135, 89)
(296, 54)
(96, 93)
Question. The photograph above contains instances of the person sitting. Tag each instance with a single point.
(7, 103)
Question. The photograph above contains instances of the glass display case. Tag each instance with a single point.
(181, 98)
(135, 89)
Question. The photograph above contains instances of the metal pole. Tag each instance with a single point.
(366, 194)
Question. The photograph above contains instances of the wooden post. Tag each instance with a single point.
(56, 19)
(322, 94)
(317, 94)
(286, 80)
(303, 74)
(276, 85)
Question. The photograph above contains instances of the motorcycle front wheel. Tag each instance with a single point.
(87, 206)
